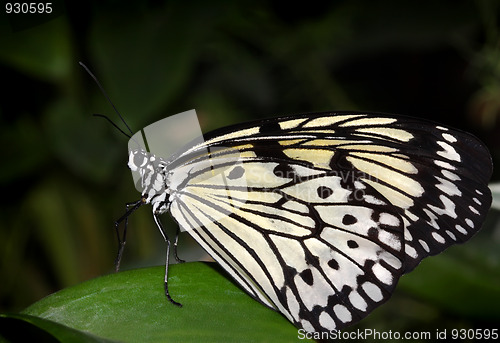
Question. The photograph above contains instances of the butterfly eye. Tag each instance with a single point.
(140, 160)
(137, 159)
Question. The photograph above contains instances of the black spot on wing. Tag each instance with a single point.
(324, 192)
(236, 173)
(349, 219)
(284, 170)
(333, 264)
(307, 276)
(269, 150)
(352, 244)
(270, 127)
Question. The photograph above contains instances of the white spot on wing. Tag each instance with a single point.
(424, 245)
(293, 304)
(382, 274)
(372, 200)
(390, 239)
(449, 138)
(438, 237)
(307, 326)
(342, 313)
(449, 207)
(357, 301)
(448, 152)
(448, 174)
(444, 164)
(310, 294)
(390, 259)
(460, 229)
(410, 251)
(388, 219)
(359, 185)
(473, 210)
(407, 234)
(373, 291)
(447, 187)
(326, 321)
(412, 217)
(451, 234)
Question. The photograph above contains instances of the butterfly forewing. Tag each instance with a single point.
(318, 215)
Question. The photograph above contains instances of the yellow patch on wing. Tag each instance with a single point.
(323, 142)
(318, 157)
(356, 146)
(236, 134)
(400, 135)
(291, 141)
(393, 196)
(291, 124)
(389, 176)
(368, 121)
(329, 120)
(394, 162)
(248, 154)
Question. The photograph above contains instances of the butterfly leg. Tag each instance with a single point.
(131, 207)
(167, 262)
(179, 260)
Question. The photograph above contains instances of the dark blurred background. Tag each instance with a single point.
(64, 174)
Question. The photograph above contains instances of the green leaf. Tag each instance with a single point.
(131, 306)
(43, 50)
(26, 328)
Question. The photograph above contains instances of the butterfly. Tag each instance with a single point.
(318, 215)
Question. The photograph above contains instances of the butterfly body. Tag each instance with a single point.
(318, 215)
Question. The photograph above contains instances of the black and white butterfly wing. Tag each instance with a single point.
(311, 259)
(319, 215)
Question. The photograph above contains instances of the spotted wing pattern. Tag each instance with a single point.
(318, 215)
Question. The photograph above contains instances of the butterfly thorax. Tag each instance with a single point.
(152, 179)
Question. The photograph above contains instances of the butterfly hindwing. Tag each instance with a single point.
(322, 249)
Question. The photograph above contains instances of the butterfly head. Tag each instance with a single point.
(148, 171)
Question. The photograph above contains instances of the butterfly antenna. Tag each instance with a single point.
(116, 126)
(109, 100)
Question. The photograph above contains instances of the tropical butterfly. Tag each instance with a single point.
(318, 215)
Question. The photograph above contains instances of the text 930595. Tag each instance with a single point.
(28, 7)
